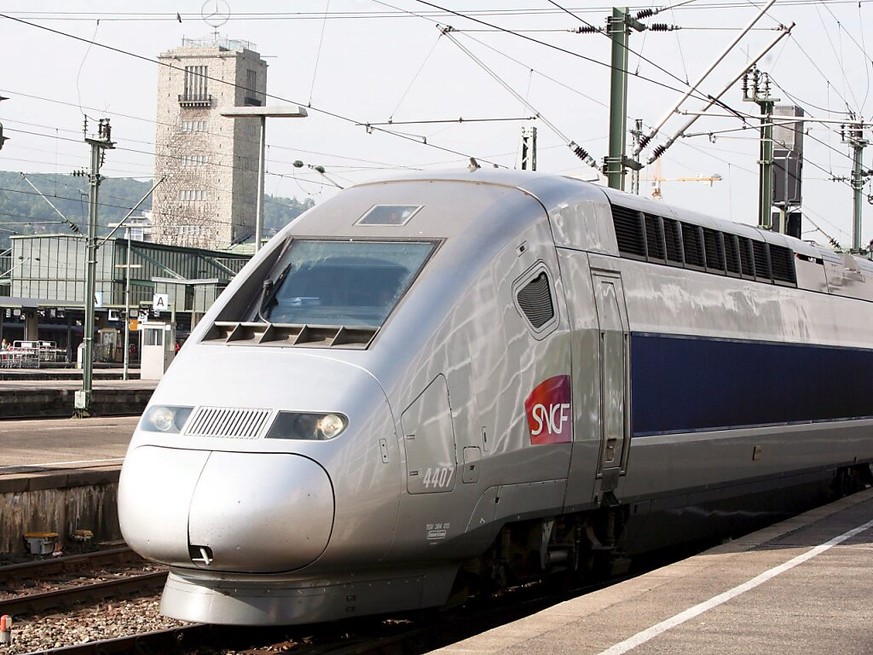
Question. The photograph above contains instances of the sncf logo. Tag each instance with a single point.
(548, 411)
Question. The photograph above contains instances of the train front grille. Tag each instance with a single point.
(231, 423)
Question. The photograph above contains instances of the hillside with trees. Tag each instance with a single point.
(24, 211)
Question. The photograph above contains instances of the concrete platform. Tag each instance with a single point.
(30, 448)
(60, 475)
(801, 586)
(29, 395)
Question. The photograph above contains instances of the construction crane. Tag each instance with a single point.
(657, 178)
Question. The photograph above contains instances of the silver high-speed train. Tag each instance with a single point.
(439, 381)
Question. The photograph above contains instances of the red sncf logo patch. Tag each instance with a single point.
(548, 411)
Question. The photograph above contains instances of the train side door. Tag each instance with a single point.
(613, 327)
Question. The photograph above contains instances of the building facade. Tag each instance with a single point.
(46, 298)
(209, 163)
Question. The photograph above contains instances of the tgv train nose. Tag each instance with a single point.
(226, 511)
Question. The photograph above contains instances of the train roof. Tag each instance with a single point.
(555, 192)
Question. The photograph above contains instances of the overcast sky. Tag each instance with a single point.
(357, 62)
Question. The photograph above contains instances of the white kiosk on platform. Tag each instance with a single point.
(157, 350)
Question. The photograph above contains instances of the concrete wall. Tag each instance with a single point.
(58, 403)
(58, 502)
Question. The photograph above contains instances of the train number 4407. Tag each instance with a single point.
(438, 477)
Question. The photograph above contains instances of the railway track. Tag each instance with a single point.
(116, 627)
(64, 581)
(165, 642)
(89, 592)
(41, 568)
(399, 635)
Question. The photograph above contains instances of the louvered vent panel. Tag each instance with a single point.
(731, 254)
(746, 260)
(654, 242)
(672, 240)
(782, 261)
(714, 251)
(629, 231)
(762, 261)
(692, 245)
(535, 300)
(230, 423)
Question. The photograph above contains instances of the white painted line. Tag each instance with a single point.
(646, 635)
(108, 426)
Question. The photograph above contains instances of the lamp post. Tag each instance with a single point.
(262, 113)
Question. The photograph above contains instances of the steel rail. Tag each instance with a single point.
(64, 564)
(171, 640)
(38, 602)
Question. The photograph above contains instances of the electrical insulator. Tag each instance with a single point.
(658, 151)
(645, 13)
(581, 153)
(644, 141)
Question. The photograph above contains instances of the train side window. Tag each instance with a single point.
(535, 301)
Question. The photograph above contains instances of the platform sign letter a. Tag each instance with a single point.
(161, 302)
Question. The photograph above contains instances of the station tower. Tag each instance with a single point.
(209, 162)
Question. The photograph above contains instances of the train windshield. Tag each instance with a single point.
(345, 283)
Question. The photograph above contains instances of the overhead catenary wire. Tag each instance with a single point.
(838, 53)
(318, 55)
(168, 156)
(646, 138)
(161, 123)
(578, 150)
(417, 73)
(416, 138)
(332, 114)
(548, 45)
(75, 228)
(313, 27)
(659, 150)
(812, 61)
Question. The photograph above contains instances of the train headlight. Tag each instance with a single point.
(331, 425)
(299, 425)
(163, 418)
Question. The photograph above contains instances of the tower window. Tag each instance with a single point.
(252, 99)
(195, 92)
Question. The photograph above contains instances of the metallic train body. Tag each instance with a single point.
(560, 376)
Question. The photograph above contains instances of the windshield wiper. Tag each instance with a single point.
(268, 293)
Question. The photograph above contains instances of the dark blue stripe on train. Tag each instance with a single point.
(688, 384)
